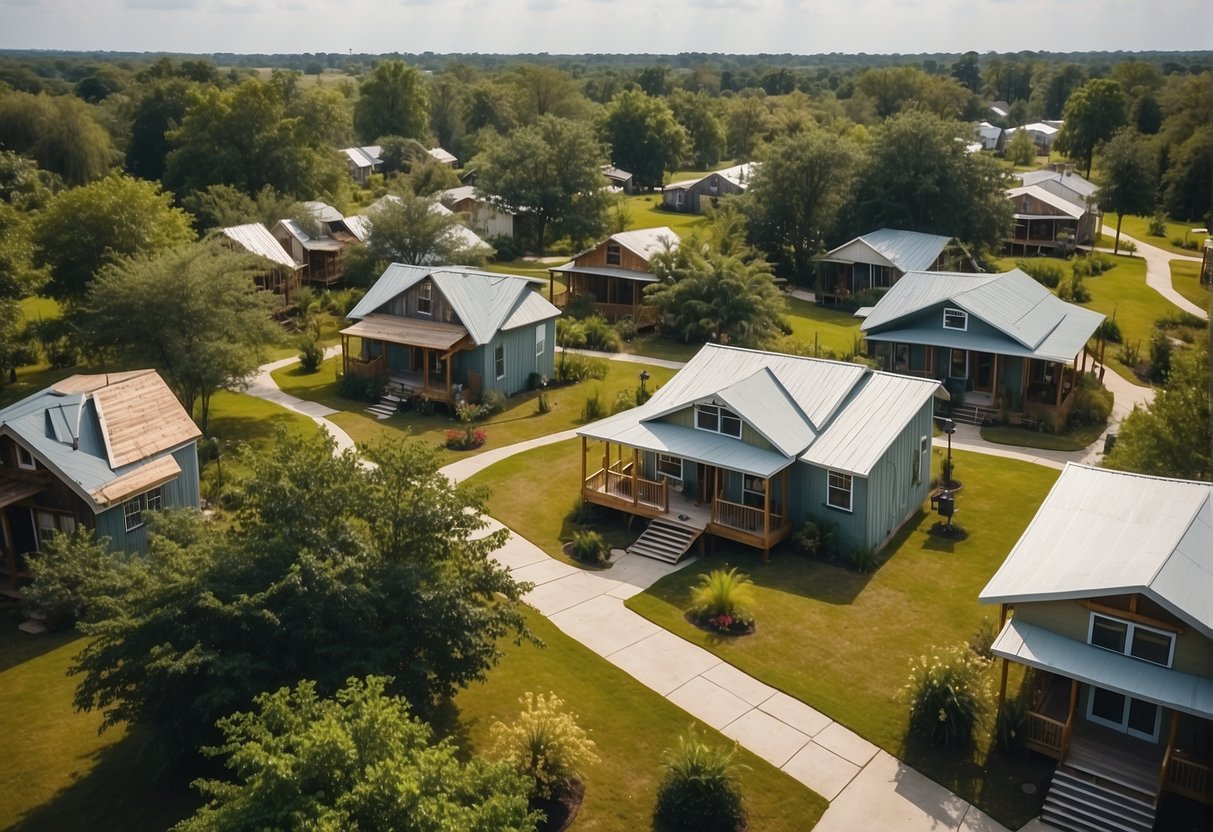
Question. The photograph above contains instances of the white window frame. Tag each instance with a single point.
(1131, 628)
(25, 459)
(425, 294)
(541, 340)
(952, 312)
(721, 414)
(47, 525)
(499, 361)
(669, 458)
(831, 487)
(1123, 724)
(132, 513)
(154, 496)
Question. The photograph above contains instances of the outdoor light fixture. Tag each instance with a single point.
(644, 378)
(947, 505)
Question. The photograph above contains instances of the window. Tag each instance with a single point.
(151, 500)
(25, 459)
(424, 298)
(713, 186)
(46, 527)
(901, 356)
(133, 511)
(541, 336)
(1131, 639)
(1135, 717)
(955, 319)
(499, 361)
(717, 419)
(753, 491)
(960, 364)
(838, 494)
(669, 467)
(614, 255)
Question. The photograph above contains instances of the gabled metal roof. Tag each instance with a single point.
(1070, 180)
(465, 236)
(322, 211)
(827, 413)
(363, 157)
(1066, 206)
(485, 302)
(444, 157)
(645, 242)
(1104, 532)
(1037, 647)
(1032, 317)
(257, 239)
(908, 251)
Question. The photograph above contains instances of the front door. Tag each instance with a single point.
(1134, 717)
(983, 371)
(706, 475)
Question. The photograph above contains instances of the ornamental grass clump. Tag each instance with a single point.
(700, 790)
(545, 742)
(948, 696)
(721, 598)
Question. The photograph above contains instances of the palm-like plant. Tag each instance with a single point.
(722, 592)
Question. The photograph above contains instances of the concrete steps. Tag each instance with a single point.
(1082, 801)
(665, 541)
(973, 414)
(386, 407)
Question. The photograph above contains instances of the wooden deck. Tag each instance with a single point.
(1111, 755)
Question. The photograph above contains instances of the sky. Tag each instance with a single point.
(614, 26)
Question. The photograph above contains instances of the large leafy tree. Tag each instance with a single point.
(796, 193)
(193, 313)
(709, 296)
(1129, 184)
(23, 190)
(1171, 436)
(159, 110)
(417, 231)
(329, 569)
(1092, 114)
(1188, 183)
(393, 101)
(746, 122)
(60, 132)
(357, 760)
(697, 113)
(102, 223)
(918, 177)
(643, 135)
(258, 134)
(551, 171)
(545, 91)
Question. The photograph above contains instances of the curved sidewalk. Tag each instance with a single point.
(1158, 270)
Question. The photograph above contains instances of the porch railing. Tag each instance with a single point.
(742, 517)
(616, 481)
(368, 368)
(1045, 735)
(1189, 778)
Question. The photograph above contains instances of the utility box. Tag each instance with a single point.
(944, 503)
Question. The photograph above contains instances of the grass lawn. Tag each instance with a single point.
(655, 346)
(58, 773)
(1185, 277)
(526, 268)
(39, 308)
(632, 727)
(1139, 227)
(831, 329)
(519, 421)
(1071, 440)
(840, 641)
(645, 211)
(288, 344)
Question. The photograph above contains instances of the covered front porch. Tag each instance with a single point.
(410, 357)
(610, 292)
(749, 508)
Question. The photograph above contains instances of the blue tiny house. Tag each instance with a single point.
(438, 331)
(97, 451)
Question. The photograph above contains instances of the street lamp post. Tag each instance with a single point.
(948, 427)
(644, 379)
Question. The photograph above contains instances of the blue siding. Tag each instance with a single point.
(182, 492)
(519, 347)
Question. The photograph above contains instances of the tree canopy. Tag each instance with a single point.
(330, 569)
(357, 760)
(60, 132)
(551, 171)
(392, 100)
(1092, 114)
(1129, 182)
(796, 194)
(918, 177)
(416, 230)
(193, 313)
(100, 224)
(644, 137)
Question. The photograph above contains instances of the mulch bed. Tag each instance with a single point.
(738, 628)
(952, 532)
(560, 810)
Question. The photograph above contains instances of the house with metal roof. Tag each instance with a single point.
(878, 259)
(1043, 134)
(443, 157)
(439, 332)
(282, 273)
(990, 136)
(608, 279)
(319, 249)
(1108, 598)
(1052, 209)
(747, 445)
(998, 341)
(96, 451)
(620, 179)
(363, 161)
(484, 218)
(689, 196)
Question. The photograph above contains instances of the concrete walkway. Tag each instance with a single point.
(264, 387)
(1158, 270)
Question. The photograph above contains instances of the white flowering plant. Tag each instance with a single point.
(949, 695)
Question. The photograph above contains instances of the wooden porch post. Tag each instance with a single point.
(425, 369)
(766, 519)
(787, 496)
(1166, 759)
(584, 443)
(606, 455)
(448, 377)
(1061, 377)
(345, 354)
(10, 555)
(635, 476)
(1065, 737)
(1002, 685)
(994, 382)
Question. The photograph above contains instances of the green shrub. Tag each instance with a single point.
(545, 742)
(982, 640)
(722, 592)
(625, 328)
(592, 409)
(582, 513)
(1109, 330)
(1160, 358)
(572, 368)
(700, 790)
(623, 401)
(1158, 226)
(1181, 319)
(354, 387)
(1092, 402)
(864, 559)
(599, 335)
(1072, 289)
(1128, 247)
(1010, 725)
(311, 354)
(493, 401)
(505, 246)
(589, 546)
(1129, 354)
(1045, 272)
(807, 539)
(1100, 262)
(570, 333)
(948, 696)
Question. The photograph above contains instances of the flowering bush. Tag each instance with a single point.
(720, 598)
(948, 695)
(545, 742)
(465, 440)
